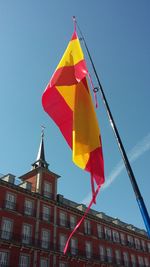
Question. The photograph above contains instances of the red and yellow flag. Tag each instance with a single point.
(68, 102)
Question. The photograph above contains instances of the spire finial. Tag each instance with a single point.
(42, 131)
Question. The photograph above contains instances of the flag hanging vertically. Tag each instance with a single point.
(68, 102)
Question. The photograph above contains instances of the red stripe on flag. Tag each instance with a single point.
(55, 105)
(74, 36)
(95, 165)
(69, 75)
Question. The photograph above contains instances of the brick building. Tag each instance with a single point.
(35, 222)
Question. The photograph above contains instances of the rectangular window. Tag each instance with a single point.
(140, 261)
(62, 242)
(72, 221)
(45, 240)
(148, 247)
(88, 250)
(143, 245)
(109, 254)
(126, 259)
(10, 201)
(63, 264)
(133, 260)
(118, 256)
(27, 234)
(115, 236)
(46, 213)
(102, 253)
(43, 262)
(130, 240)
(123, 241)
(107, 234)
(74, 246)
(48, 190)
(3, 258)
(137, 243)
(62, 217)
(87, 227)
(7, 226)
(28, 207)
(24, 260)
(99, 231)
(146, 262)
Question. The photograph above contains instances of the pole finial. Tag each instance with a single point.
(75, 22)
(42, 131)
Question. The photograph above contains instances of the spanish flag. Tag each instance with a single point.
(68, 102)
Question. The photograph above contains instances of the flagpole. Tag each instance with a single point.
(134, 184)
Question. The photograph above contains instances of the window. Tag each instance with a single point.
(47, 190)
(148, 246)
(43, 262)
(99, 231)
(143, 245)
(63, 264)
(126, 259)
(46, 213)
(140, 261)
(10, 201)
(133, 260)
(130, 241)
(118, 256)
(87, 227)
(24, 260)
(109, 254)
(62, 217)
(73, 246)
(107, 234)
(88, 249)
(62, 242)
(28, 207)
(115, 236)
(26, 234)
(72, 221)
(102, 253)
(45, 239)
(146, 262)
(123, 241)
(7, 226)
(3, 258)
(137, 243)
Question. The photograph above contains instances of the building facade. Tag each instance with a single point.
(35, 222)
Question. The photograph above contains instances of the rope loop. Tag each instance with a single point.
(95, 89)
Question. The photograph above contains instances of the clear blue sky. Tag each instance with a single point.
(33, 37)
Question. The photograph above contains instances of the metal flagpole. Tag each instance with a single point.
(138, 195)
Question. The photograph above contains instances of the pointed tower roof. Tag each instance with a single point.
(40, 160)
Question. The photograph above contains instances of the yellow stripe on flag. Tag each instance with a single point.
(85, 129)
(72, 55)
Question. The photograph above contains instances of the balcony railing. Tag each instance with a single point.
(48, 195)
(10, 205)
(29, 211)
(25, 240)
(6, 235)
(64, 223)
(5, 265)
(46, 217)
